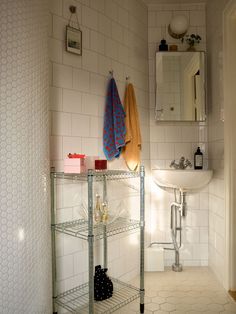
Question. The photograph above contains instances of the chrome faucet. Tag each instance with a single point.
(183, 163)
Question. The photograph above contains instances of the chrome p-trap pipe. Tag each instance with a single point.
(178, 210)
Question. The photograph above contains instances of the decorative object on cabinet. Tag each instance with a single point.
(191, 40)
(81, 299)
(73, 35)
(173, 48)
(163, 45)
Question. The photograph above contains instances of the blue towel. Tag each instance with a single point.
(114, 123)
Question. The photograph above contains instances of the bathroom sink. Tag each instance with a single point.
(184, 180)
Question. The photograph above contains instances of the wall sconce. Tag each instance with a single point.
(178, 26)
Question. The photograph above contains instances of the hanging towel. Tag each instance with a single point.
(131, 152)
(114, 123)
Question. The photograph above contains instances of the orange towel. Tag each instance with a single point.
(131, 151)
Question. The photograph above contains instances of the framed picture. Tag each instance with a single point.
(73, 40)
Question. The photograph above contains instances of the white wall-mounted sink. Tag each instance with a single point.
(185, 180)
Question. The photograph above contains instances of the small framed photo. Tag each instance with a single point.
(73, 40)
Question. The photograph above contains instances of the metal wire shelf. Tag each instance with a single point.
(97, 175)
(76, 300)
(79, 228)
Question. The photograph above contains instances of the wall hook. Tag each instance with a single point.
(73, 10)
(111, 73)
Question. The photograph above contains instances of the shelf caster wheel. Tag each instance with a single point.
(141, 308)
(177, 268)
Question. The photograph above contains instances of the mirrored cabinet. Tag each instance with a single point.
(180, 86)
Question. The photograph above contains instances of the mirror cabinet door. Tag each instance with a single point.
(180, 86)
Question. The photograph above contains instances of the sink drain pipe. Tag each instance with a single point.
(178, 211)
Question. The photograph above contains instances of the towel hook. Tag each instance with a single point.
(127, 79)
(111, 73)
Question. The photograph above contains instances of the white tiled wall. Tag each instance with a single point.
(182, 138)
(217, 235)
(114, 38)
(25, 250)
(170, 141)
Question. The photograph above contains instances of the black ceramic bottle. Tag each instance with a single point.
(163, 45)
(198, 159)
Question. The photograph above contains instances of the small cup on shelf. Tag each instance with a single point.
(101, 164)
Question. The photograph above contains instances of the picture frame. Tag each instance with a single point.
(73, 40)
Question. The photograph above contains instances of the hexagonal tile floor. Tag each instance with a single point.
(193, 291)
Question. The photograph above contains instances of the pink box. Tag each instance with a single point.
(74, 165)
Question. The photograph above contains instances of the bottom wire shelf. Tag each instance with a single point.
(76, 299)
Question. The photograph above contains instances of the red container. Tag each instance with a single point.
(100, 164)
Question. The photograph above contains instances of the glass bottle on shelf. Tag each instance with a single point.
(105, 215)
(98, 210)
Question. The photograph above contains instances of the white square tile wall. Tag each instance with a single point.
(114, 37)
(217, 219)
(172, 140)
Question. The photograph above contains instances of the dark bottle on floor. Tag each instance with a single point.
(198, 159)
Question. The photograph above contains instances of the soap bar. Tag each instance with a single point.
(76, 155)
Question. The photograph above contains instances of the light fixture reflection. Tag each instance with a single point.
(21, 234)
(134, 239)
(157, 203)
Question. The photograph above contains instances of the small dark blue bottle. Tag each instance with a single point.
(163, 45)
